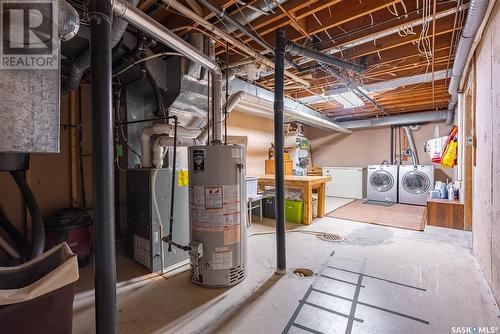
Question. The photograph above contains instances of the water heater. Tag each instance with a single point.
(217, 203)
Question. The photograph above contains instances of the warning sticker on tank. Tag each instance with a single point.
(231, 234)
(213, 198)
(207, 218)
(222, 260)
(183, 178)
(197, 197)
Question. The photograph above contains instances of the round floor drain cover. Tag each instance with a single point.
(303, 272)
(332, 237)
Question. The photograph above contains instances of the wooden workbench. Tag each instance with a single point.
(306, 184)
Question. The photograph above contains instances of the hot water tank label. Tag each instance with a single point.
(222, 260)
(197, 197)
(207, 218)
(213, 198)
(215, 207)
(231, 193)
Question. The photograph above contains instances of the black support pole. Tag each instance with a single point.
(100, 15)
(279, 174)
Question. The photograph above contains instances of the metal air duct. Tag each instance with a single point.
(158, 31)
(253, 12)
(411, 142)
(298, 50)
(475, 16)
(402, 119)
(82, 62)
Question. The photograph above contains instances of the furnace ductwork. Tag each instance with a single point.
(475, 16)
(82, 63)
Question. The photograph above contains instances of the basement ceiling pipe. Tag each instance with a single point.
(82, 62)
(253, 12)
(411, 142)
(155, 29)
(232, 22)
(475, 16)
(298, 50)
(232, 40)
(402, 119)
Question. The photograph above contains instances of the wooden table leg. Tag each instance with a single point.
(321, 200)
(307, 204)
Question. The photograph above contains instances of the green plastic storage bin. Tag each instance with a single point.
(294, 211)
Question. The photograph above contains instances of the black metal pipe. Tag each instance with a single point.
(100, 16)
(299, 50)
(279, 174)
(172, 191)
(37, 227)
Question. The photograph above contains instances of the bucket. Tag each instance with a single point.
(74, 227)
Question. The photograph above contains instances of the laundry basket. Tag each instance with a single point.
(37, 297)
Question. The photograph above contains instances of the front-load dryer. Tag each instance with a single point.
(382, 183)
(415, 182)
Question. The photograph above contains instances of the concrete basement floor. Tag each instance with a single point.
(379, 280)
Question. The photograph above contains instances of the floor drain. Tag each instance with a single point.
(332, 237)
(303, 272)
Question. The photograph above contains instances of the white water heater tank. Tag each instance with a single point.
(217, 217)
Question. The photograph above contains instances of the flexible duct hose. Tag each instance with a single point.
(82, 63)
(38, 231)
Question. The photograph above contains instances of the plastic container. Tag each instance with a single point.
(269, 210)
(294, 212)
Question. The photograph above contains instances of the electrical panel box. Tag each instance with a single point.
(143, 222)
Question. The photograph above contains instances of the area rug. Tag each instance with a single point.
(410, 217)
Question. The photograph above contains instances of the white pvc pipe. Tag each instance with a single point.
(164, 141)
(156, 129)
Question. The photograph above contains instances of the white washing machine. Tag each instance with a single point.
(415, 182)
(382, 183)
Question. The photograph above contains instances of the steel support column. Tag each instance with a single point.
(100, 15)
(279, 171)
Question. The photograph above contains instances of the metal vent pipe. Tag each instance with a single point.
(411, 142)
(475, 16)
(298, 50)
